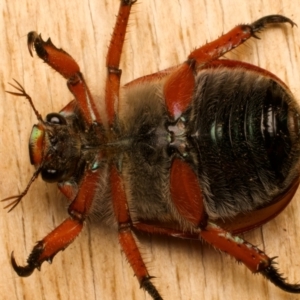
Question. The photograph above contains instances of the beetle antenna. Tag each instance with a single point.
(18, 198)
(23, 93)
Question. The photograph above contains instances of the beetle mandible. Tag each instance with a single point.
(167, 157)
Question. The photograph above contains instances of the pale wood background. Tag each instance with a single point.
(161, 34)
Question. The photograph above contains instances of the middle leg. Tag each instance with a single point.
(126, 238)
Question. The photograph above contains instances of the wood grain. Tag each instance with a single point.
(161, 34)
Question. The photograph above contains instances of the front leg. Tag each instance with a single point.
(65, 233)
(66, 66)
(46, 249)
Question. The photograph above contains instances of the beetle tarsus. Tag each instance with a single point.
(272, 274)
(33, 261)
(32, 36)
(21, 271)
(150, 288)
(35, 41)
(272, 19)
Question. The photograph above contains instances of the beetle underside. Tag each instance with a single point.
(171, 159)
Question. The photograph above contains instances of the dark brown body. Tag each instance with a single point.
(241, 137)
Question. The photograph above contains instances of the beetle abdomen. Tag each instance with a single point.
(247, 136)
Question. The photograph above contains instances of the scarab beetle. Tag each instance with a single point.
(169, 157)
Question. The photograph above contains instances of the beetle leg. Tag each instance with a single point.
(113, 59)
(233, 39)
(252, 257)
(255, 259)
(46, 249)
(126, 238)
(65, 65)
(66, 232)
(186, 193)
(69, 189)
(179, 87)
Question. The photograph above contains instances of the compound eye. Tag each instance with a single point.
(56, 119)
(51, 175)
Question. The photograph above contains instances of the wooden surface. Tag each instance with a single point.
(161, 34)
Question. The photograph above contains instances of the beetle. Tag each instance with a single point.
(145, 151)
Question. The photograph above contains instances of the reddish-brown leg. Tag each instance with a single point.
(120, 205)
(126, 238)
(255, 259)
(179, 87)
(46, 249)
(113, 59)
(65, 233)
(65, 65)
